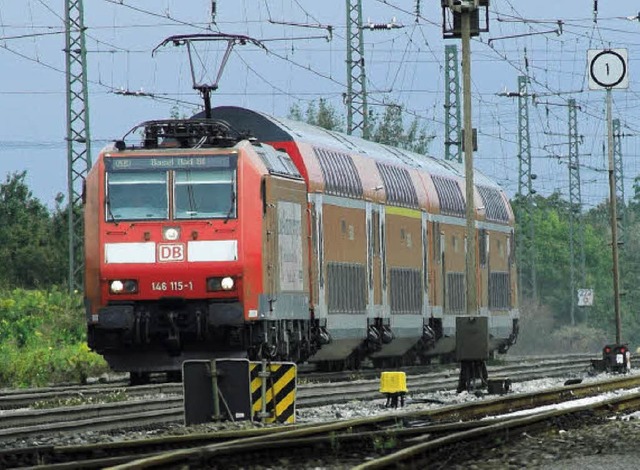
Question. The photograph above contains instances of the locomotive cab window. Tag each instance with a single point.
(204, 194)
(133, 195)
(171, 187)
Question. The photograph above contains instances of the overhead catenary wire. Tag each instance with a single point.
(404, 60)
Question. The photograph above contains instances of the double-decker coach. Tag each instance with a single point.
(247, 235)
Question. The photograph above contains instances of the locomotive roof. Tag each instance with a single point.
(267, 128)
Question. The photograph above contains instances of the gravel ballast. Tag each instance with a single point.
(582, 444)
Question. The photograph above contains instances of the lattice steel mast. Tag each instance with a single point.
(619, 177)
(576, 229)
(78, 135)
(452, 120)
(356, 98)
(525, 190)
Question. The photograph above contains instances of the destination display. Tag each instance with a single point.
(170, 163)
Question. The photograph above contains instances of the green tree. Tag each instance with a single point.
(28, 257)
(390, 129)
(629, 265)
(328, 118)
(59, 242)
(634, 203)
(551, 219)
(386, 129)
(552, 263)
(321, 114)
(295, 112)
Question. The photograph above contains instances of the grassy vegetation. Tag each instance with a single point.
(541, 334)
(43, 339)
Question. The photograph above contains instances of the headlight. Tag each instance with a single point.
(215, 284)
(226, 283)
(127, 286)
(171, 233)
(116, 287)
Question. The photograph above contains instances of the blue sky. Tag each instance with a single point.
(404, 66)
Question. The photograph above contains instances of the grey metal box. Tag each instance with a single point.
(232, 382)
(472, 338)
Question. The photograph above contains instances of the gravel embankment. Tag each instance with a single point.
(613, 443)
(590, 447)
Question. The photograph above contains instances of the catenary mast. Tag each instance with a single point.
(78, 135)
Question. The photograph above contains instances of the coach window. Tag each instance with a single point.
(201, 194)
(375, 216)
(137, 195)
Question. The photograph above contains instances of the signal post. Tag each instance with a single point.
(608, 71)
(461, 19)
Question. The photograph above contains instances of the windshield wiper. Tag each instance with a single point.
(190, 196)
(231, 206)
(109, 212)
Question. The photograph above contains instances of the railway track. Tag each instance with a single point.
(417, 377)
(414, 438)
(147, 405)
(424, 450)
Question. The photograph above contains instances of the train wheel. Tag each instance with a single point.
(409, 359)
(391, 362)
(331, 366)
(381, 362)
(353, 362)
(174, 376)
(424, 360)
(139, 378)
(447, 358)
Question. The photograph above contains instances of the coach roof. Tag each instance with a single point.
(267, 128)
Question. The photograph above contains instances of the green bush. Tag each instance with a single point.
(43, 339)
(580, 338)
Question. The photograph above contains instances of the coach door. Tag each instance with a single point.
(442, 243)
(316, 265)
(269, 240)
(485, 268)
(425, 264)
(285, 245)
(377, 275)
(376, 260)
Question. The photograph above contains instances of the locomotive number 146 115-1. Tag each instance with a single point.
(171, 285)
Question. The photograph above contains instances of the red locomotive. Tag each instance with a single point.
(242, 234)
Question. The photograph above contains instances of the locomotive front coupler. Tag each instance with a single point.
(173, 334)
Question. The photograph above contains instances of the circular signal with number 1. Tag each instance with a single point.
(608, 68)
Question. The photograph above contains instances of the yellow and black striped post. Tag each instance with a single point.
(276, 385)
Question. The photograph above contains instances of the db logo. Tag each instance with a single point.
(171, 252)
